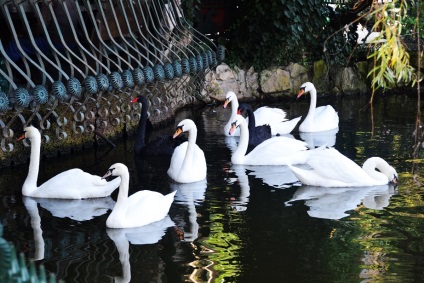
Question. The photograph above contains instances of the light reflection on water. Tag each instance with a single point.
(244, 223)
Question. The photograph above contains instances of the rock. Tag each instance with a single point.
(321, 78)
(296, 70)
(275, 80)
(350, 82)
(224, 72)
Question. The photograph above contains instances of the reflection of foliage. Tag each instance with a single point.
(225, 246)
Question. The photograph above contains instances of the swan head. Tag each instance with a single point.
(29, 133)
(229, 97)
(238, 119)
(383, 167)
(304, 88)
(117, 169)
(184, 126)
(243, 108)
(391, 174)
(140, 99)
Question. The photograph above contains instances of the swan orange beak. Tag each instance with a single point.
(177, 132)
(226, 103)
(301, 92)
(21, 137)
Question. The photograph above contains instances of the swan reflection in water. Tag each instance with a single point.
(279, 177)
(318, 139)
(78, 210)
(143, 235)
(333, 203)
(190, 194)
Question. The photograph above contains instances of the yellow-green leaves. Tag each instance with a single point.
(391, 59)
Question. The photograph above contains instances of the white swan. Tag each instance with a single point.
(319, 119)
(263, 115)
(273, 151)
(142, 208)
(70, 184)
(188, 163)
(330, 168)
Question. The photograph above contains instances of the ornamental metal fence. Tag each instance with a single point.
(70, 67)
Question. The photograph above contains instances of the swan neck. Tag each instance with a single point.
(192, 136)
(252, 121)
(234, 107)
(243, 142)
(122, 199)
(371, 164)
(313, 103)
(141, 129)
(188, 157)
(30, 184)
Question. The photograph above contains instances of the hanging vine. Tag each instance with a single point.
(391, 59)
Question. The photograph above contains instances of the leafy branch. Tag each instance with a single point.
(391, 66)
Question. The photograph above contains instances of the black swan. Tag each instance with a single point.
(163, 145)
(257, 134)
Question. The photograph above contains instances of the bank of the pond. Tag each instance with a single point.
(279, 83)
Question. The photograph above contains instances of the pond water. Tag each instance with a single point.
(245, 223)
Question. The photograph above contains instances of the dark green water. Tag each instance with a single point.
(246, 224)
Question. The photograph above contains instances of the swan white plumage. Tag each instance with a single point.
(70, 184)
(330, 168)
(273, 151)
(139, 209)
(188, 163)
(263, 115)
(319, 119)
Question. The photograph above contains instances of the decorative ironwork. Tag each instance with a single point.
(70, 67)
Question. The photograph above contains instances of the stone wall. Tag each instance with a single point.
(284, 81)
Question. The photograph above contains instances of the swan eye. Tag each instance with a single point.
(234, 124)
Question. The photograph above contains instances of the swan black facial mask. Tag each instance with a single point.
(108, 173)
(233, 127)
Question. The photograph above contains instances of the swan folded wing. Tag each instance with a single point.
(326, 116)
(76, 184)
(146, 207)
(284, 127)
(266, 115)
(275, 151)
(332, 165)
(177, 158)
(195, 167)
